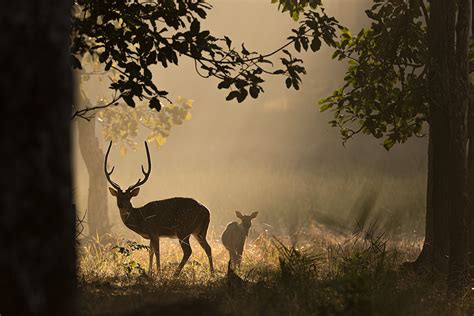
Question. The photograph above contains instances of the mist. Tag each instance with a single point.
(277, 154)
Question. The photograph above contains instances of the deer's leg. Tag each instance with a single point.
(205, 245)
(184, 243)
(233, 257)
(150, 263)
(239, 252)
(156, 251)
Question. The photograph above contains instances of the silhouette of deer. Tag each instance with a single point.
(234, 236)
(176, 217)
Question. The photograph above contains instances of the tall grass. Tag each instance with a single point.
(341, 275)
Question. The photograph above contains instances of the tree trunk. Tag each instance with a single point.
(97, 210)
(460, 83)
(439, 126)
(470, 174)
(425, 258)
(37, 223)
(439, 81)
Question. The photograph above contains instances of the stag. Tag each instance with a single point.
(176, 217)
(234, 237)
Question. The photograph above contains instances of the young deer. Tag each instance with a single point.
(175, 218)
(234, 236)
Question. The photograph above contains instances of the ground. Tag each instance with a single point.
(321, 274)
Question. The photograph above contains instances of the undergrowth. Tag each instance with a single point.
(355, 275)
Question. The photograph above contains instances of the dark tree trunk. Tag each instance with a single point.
(97, 211)
(439, 126)
(425, 258)
(439, 81)
(460, 83)
(470, 174)
(470, 183)
(37, 223)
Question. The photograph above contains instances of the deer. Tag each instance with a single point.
(234, 237)
(176, 217)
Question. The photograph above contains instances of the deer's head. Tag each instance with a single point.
(246, 219)
(124, 197)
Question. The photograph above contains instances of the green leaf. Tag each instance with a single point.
(388, 143)
(324, 107)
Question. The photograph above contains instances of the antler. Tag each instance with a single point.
(145, 173)
(107, 173)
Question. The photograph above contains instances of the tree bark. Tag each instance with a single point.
(440, 89)
(425, 259)
(470, 174)
(37, 223)
(460, 82)
(97, 209)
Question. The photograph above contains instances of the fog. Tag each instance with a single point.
(277, 154)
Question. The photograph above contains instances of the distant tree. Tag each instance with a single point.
(403, 71)
(37, 229)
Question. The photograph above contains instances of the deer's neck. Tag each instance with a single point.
(125, 212)
(245, 229)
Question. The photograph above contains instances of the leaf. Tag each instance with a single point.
(76, 64)
(224, 84)
(315, 44)
(160, 140)
(108, 65)
(195, 25)
(244, 50)
(129, 100)
(388, 143)
(228, 41)
(242, 95)
(103, 57)
(151, 59)
(297, 45)
(254, 92)
(155, 104)
(232, 95)
(324, 107)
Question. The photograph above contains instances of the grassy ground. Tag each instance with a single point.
(334, 275)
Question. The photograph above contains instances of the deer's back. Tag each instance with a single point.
(175, 216)
(233, 236)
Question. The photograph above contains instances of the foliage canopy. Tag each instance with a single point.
(131, 36)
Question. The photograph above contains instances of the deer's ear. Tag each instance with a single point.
(135, 192)
(238, 214)
(113, 192)
(253, 215)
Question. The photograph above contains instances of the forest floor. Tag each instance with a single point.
(321, 274)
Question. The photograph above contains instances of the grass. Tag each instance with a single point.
(336, 275)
